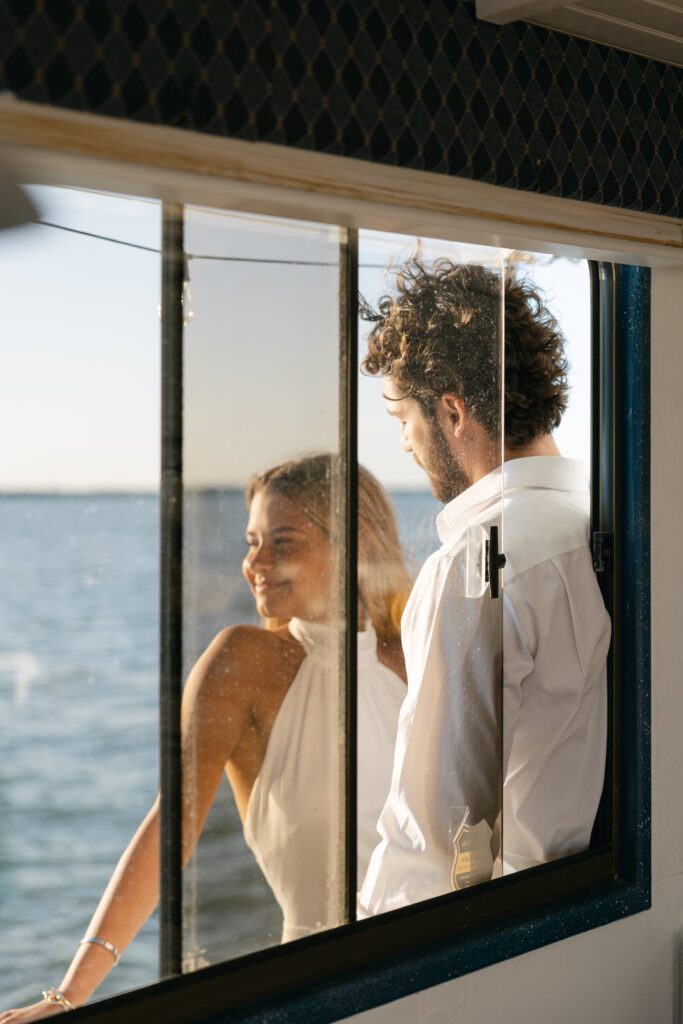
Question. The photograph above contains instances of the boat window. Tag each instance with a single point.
(79, 536)
(369, 555)
(263, 743)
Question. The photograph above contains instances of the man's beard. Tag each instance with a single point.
(446, 475)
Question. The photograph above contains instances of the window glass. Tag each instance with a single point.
(440, 829)
(552, 587)
(263, 718)
(425, 300)
(448, 714)
(79, 470)
(565, 287)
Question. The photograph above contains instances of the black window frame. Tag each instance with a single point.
(361, 965)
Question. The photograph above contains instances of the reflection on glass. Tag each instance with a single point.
(277, 721)
(475, 792)
(557, 630)
(267, 706)
(262, 389)
(529, 716)
(565, 288)
(79, 551)
(434, 337)
(242, 720)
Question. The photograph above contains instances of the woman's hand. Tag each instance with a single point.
(26, 1014)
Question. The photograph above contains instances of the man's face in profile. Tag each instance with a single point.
(424, 437)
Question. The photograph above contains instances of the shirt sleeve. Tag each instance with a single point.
(448, 760)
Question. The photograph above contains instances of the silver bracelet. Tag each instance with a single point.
(56, 998)
(106, 945)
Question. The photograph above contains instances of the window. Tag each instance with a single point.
(259, 357)
(80, 527)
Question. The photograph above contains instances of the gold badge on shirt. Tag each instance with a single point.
(472, 857)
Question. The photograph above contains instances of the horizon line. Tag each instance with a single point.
(104, 492)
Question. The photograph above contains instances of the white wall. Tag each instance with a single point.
(630, 971)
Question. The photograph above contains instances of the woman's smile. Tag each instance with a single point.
(263, 586)
(289, 560)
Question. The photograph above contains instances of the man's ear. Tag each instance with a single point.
(452, 414)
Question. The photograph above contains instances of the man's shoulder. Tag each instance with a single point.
(536, 523)
(541, 524)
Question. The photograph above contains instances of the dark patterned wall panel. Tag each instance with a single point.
(422, 85)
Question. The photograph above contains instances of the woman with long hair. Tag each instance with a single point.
(262, 704)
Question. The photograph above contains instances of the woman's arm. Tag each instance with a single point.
(215, 711)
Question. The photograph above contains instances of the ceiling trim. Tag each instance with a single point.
(503, 11)
(630, 26)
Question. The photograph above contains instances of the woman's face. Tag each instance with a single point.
(289, 560)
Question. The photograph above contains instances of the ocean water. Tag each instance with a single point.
(79, 721)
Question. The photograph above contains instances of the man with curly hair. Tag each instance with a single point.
(474, 741)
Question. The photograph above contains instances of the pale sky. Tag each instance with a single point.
(79, 389)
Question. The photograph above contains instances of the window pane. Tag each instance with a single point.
(263, 721)
(440, 829)
(565, 287)
(448, 765)
(556, 703)
(79, 553)
(428, 339)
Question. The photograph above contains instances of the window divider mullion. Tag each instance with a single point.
(604, 278)
(171, 592)
(348, 448)
(614, 500)
(596, 376)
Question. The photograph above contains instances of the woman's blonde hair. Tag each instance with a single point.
(383, 580)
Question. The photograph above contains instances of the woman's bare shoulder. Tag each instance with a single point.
(238, 640)
(239, 668)
(247, 651)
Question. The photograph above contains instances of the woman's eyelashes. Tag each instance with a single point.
(279, 541)
(283, 546)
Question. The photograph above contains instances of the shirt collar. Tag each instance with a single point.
(550, 471)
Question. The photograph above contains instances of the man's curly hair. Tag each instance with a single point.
(440, 332)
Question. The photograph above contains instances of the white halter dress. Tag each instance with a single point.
(293, 818)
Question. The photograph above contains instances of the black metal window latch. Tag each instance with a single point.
(602, 547)
(495, 561)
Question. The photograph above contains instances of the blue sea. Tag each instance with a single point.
(79, 721)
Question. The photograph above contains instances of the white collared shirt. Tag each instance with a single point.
(553, 632)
